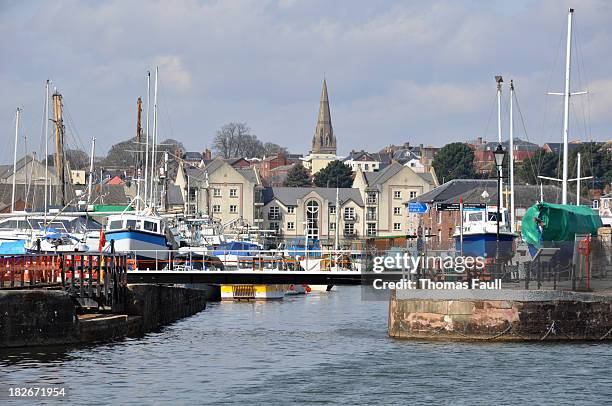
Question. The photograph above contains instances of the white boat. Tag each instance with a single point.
(479, 237)
(140, 234)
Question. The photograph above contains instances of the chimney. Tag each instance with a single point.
(207, 154)
(479, 141)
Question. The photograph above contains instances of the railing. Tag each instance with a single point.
(100, 277)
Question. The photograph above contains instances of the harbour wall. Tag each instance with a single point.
(38, 317)
(501, 315)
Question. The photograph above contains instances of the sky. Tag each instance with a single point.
(410, 71)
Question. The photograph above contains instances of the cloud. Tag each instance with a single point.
(410, 71)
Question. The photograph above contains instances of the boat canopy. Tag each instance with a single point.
(238, 248)
(544, 222)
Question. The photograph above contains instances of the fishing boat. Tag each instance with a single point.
(479, 237)
(141, 234)
(253, 292)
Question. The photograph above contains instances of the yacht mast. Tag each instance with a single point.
(15, 157)
(91, 164)
(146, 171)
(154, 138)
(46, 149)
(511, 156)
(59, 144)
(499, 81)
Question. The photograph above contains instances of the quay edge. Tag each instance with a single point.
(502, 315)
(39, 317)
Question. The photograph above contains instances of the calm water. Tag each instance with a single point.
(320, 348)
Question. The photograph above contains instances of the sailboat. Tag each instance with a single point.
(557, 225)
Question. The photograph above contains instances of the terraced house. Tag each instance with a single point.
(385, 191)
(224, 193)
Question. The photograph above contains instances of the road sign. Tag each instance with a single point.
(474, 206)
(418, 207)
(447, 206)
(457, 206)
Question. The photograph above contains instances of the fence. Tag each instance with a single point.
(99, 277)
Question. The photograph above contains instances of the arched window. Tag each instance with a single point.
(312, 219)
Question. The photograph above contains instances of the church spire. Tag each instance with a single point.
(323, 141)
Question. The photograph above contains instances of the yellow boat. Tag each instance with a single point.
(253, 292)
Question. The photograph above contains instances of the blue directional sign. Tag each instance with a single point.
(418, 207)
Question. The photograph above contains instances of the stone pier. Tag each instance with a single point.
(503, 315)
(38, 317)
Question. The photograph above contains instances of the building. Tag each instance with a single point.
(323, 141)
(484, 159)
(366, 161)
(296, 212)
(225, 193)
(603, 205)
(557, 147)
(29, 170)
(384, 194)
(441, 224)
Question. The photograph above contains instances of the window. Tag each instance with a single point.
(217, 192)
(233, 208)
(596, 204)
(397, 194)
(371, 230)
(216, 208)
(312, 219)
(332, 209)
(274, 226)
(130, 224)
(150, 226)
(397, 211)
(349, 229)
(332, 226)
(413, 194)
(371, 198)
(606, 204)
(371, 213)
(115, 224)
(291, 209)
(367, 167)
(274, 213)
(349, 213)
(233, 192)
(290, 225)
(397, 226)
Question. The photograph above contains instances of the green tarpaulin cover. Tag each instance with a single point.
(560, 222)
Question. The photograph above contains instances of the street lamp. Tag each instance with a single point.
(499, 155)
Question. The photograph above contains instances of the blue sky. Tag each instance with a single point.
(397, 71)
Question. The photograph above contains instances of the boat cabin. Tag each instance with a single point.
(135, 222)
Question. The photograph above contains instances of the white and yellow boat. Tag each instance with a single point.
(253, 292)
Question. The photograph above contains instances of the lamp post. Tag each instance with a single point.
(499, 155)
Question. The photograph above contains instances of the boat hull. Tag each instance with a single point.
(485, 245)
(253, 292)
(145, 246)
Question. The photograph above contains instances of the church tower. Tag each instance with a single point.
(323, 141)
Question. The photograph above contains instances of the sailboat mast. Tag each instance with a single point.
(91, 164)
(499, 81)
(154, 142)
(336, 234)
(15, 157)
(46, 149)
(511, 156)
(59, 144)
(146, 171)
(568, 59)
(578, 181)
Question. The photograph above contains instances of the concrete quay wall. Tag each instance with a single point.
(499, 315)
(38, 317)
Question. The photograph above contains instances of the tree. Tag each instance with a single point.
(454, 161)
(234, 140)
(271, 148)
(335, 174)
(594, 161)
(297, 176)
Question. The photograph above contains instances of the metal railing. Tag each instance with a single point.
(100, 277)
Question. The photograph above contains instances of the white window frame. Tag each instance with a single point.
(397, 226)
(216, 192)
(290, 209)
(234, 207)
(216, 208)
(397, 194)
(290, 225)
(233, 192)
(397, 211)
